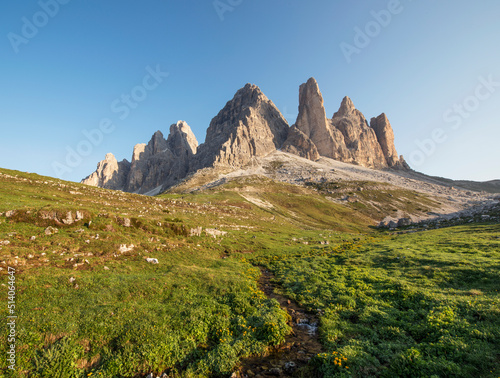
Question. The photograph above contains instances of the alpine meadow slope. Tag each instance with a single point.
(90, 262)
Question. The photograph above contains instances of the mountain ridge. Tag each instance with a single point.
(251, 126)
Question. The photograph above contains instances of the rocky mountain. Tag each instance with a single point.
(248, 127)
(360, 140)
(155, 165)
(110, 174)
(346, 136)
(385, 137)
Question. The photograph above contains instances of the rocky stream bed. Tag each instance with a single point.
(299, 347)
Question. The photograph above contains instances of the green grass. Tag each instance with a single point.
(417, 304)
(198, 319)
(413, 305)
(196, 313)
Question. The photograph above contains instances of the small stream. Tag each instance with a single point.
(299, 347)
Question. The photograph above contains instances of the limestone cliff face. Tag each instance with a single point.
(249, 126)
(312, 116)
(313, 123)
(360, 140)
(299, 144)
(346, 136)
(385, 136)
(155, 165)
(110, 174)
(181, 140)
(162, 162)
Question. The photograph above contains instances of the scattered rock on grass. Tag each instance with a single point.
(10, 213)
(51, 230)
(125, 222)
(196, 231)
(290, 366)
(392, 224)
(151, 260)
(69, 219)
(124, 248)
(214, 232)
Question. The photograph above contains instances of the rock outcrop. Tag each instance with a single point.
(313, 123)
(385, 137)
(249, 126)
(162, 162)
(155, 165)
(360, 140)
(110, 174)
(347, 136)
(299, 144)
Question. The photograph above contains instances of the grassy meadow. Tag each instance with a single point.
(89, 304)
(413, 305)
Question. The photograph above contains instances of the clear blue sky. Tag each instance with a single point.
(81, 58)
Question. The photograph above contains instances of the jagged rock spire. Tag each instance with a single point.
(248, 126)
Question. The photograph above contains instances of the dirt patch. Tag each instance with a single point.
(290, 358)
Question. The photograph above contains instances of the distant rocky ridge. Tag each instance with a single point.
(248, 127)
(155, 165)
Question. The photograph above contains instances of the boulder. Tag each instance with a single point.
(126, 248)
(404, 222)
(51, 230)
(10, 213)
(392, 224)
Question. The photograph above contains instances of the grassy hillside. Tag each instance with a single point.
(412, 305)
(377, 200)
(90, 304)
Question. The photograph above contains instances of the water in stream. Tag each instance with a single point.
(299, 347)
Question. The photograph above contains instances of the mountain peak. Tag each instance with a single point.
(249, 125)
(311, 119)
(312, 82)
(249, 95)
(346, 106)
(385, 136)
(110, 157)
(181, 139)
